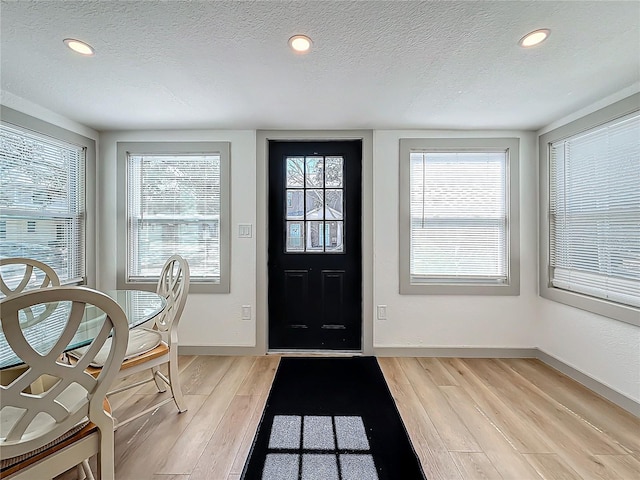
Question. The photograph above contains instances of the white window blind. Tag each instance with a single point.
(595, 212)
(459, 217)
(173, 207)
(42, 201)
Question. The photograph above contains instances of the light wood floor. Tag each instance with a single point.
(468, 419)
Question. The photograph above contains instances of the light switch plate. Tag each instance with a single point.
(245, 230)
(246, 312)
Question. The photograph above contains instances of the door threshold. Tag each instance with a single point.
(316, 353)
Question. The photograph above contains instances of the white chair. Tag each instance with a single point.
(44, 435)
(25, 274)
(150, 348)
(19, 274)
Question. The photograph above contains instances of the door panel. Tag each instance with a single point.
(296, 297)
(315, 258)
(333, 299)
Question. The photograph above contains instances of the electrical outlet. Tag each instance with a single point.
(382, 312)
(246, 312)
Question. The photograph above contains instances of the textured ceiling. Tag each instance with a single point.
(393, 64)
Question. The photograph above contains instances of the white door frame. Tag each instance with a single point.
(262, 140)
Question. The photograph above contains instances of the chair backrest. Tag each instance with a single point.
(173, 285)
(19, 274)
(30, 421)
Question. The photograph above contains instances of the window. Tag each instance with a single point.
(175, 199)
(459, 216)
(591, 228)
(315, 204)
(43, 192)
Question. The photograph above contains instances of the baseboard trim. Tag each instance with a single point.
(591, 383)
(456, 352)
(219, 350)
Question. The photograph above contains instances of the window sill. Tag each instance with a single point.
(407, 288)
(598, 306)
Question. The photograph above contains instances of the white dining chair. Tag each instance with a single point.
(151, 348)
(44, 435)
(18, 274)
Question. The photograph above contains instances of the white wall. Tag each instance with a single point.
(427, 321)
(208, 319)
(604, 349)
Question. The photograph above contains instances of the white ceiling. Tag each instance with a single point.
(392, 64)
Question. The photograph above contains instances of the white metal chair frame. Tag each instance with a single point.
(173, 285)
(76, 396)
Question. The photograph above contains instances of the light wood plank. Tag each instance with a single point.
(543, 417)
(252, 427)
(217, 459)
(170, 477)
(391, 370)
(260, 377)
(204, 374)
(526, 437)
(530, 400)
(600, 412)
(249, 435)
(495, 444)
(433, 454)
(618, 466)
(437, 373)
(475, 466)
(143, 445)
(551, 466)
(451, 429)
(187, 450)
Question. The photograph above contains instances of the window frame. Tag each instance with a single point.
(20, 120)
(512, 146)
(595, 305)
(178, 148)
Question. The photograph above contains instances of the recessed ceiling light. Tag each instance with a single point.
(79, 47)
(534, 38)
(300, 43)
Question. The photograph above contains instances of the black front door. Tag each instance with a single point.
(315, 260)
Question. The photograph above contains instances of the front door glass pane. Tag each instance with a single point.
(295, 204)
(315, 236)
(333, 205)
(314, 204)
(333, 172)
(334, 236)
(295, 172)
(314, 170)
(295, 236)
